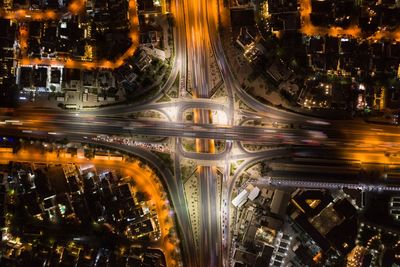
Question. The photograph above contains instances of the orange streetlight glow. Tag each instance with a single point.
(145, 181)
(309, 29)
(76, 7)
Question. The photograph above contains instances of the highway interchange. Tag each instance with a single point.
(195, 35)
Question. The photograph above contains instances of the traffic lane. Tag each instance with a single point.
(76, 117)
(200, 53)
(221, 132)
(209, 220)
(337, 127)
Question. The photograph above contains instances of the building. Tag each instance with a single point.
(240, 199)
(244, 257)
(279, 202)
(330, 223)
(254, 193)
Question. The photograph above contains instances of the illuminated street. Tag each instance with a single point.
(353, 31)
(74, 7)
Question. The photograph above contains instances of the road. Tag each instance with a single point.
(338, 133)
(198, 47)
(181, 61)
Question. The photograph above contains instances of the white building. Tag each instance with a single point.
(240, 199)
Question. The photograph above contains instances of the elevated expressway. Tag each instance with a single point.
(198, 48)
(195, 34)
